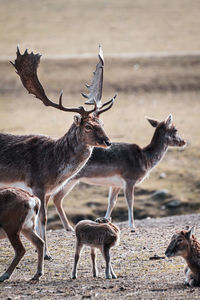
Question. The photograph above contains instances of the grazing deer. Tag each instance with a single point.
(41, 163)
(18, 213)
(185, 244)
(124, 166)
(101, 234)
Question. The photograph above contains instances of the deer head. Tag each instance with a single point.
(180, 243)
(168, 132)
(87, 122)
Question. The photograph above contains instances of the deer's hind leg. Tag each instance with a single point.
(14, 238)
(94, 266)
(32, 236)
(129, 195)
(112, 199)
(109, 273)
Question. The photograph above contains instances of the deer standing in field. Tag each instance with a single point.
(101, 234)
(185, 244)
(124, 166)
(43, 164)
(18, 213)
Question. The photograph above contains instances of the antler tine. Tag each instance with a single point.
(95, 89)
(26, 66)
(111, 102)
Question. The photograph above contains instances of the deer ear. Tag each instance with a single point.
(169, 120)
(77, 120)
(154, 123)
(191, 232)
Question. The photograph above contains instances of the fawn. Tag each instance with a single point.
(18, 213)
(185, 244)
(101, 234)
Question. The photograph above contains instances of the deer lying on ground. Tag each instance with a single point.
(18, 213)
(124, 166)
(42, 164)
(185, 244)
(101, 234)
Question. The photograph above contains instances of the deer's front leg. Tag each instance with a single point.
(42, 222)
(112, 198)
(129, 195)
(58, 199)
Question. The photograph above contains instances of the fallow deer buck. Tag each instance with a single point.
(18, 213)
(124, 166)
(184, 243)
(101, 234)
(44, 164)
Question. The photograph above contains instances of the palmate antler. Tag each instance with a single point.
(95, 89)
(26, 66)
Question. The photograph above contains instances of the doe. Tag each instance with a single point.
(101, 234)
(122, 166)
(185, 244)
(18, 213)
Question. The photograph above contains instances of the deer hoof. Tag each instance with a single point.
(48, 257)
(4, 277)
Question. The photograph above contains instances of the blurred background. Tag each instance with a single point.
(152, 61)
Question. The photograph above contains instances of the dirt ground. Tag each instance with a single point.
(67, 34)
(139, 276)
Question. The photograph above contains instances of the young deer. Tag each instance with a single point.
(124, 166)
(44, 164)
(101, 234)
(185, 244)
(18, 213)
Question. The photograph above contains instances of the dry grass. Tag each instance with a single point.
(68, 27)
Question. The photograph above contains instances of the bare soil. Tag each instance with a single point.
(140, 274)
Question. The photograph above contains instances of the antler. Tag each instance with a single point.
(26, 67)
(95, 89)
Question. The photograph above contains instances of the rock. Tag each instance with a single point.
(173, 203)
(160, 195)
(162, 175)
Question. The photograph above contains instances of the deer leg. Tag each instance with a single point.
(112, 198)
(76, 259)
(43, 221)
(19, 253)
(129, 195)
(106, 254)
(58, 199)
(39, 244)
(94, 266)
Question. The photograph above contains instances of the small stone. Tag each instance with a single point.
(160, 195)
(162, 175)
(174, 203)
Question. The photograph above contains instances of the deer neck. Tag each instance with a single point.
(72, 152)
(156, 150)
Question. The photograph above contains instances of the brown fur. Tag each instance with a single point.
(99, 234)
(18, 212)
(124, 166)
(185, 244)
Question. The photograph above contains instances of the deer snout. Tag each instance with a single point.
(182, 143)
(107, 143)
(168, 253)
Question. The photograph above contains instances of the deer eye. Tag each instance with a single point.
(88, 127)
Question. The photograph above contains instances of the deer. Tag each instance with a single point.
(18, 215)
(122, 166)
(185, 244)
(99, 234)
(41, 164)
